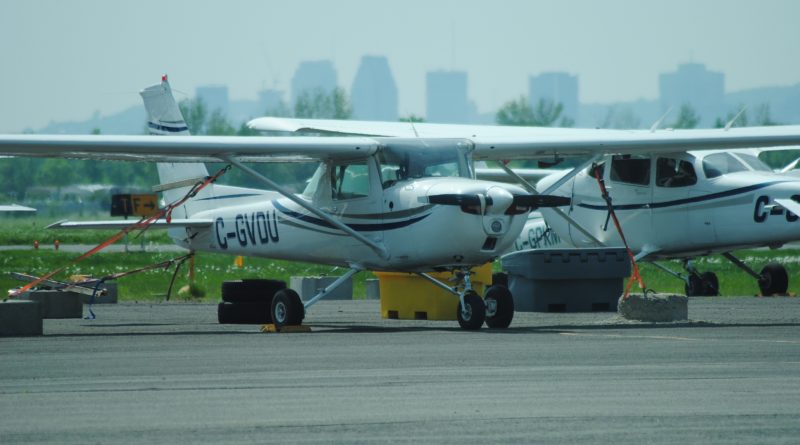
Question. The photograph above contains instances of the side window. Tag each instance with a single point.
(350, 181)
(718, 164)
(630, 169)
(674, 173)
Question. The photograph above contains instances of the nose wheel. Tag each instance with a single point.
(471, 311)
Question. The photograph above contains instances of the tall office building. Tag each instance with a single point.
(374, 93)
(693, 84)
(215, 97)
(447, 100)
(312, 75)
(557, 87)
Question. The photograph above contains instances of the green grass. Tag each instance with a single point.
(210, 271)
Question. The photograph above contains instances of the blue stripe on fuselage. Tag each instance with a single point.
(357, 227)
(677, 202)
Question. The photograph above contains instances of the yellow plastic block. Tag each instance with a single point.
(271, 328)
(408, 296)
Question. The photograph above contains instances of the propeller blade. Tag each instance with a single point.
(535, 201)
(455, 199)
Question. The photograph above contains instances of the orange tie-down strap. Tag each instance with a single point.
(635, 276)
(142, 225)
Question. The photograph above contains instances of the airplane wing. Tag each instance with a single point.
(16, 208)
(120, 224)
(187, 148)
(493, 142)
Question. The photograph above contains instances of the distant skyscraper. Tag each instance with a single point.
(374, 93)
(447, 100)
(215, 97)
(313, 75)
(557, 87)
(693, 84)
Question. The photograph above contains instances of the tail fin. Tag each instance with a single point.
(164, 118)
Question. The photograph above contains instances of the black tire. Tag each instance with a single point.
(475, 312)
(500, 279)
(243, 313)
(287, 308)
(499, 297)
(710, 284)
(251, 290)
(774, 280)
(694, 288)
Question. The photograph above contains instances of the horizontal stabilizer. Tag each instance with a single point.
(121, 224)
(16, 208)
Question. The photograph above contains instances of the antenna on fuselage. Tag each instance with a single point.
(658, 122)
(732, 121)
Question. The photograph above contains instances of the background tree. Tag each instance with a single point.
(687, 118)
(546, 113)
(319, 104)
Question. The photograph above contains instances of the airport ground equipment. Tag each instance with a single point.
(20, 318)
(566, 280)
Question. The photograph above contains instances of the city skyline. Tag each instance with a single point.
(68, 60)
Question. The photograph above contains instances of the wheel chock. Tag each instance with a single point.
(272, 328)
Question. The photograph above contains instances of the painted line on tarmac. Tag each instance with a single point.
(653, 337)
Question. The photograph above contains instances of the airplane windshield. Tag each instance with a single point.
(754, 163)
(400, 163)
(718, 164)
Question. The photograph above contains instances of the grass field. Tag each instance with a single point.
(213, 269)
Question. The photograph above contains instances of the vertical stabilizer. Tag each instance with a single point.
(164, 118)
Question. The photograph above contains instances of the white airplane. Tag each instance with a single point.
(679, 202)
(396, 198)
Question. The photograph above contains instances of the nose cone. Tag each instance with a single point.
(501, 200)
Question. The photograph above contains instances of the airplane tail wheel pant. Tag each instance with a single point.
(774, 279)
(499, 307)
(472, 316)
(287, 308)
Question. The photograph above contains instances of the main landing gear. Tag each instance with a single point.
(773, 279)
(496, 309)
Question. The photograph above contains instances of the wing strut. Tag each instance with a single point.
(380, 250)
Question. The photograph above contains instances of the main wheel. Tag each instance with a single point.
(287, 308)
(499, 307)
(774, 280)
(694, 288)
(250, 290)
(472, 316)
(710, 284)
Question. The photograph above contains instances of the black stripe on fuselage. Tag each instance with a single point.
(375, 227)
(240, 195)
(677, 202)
(167, 128)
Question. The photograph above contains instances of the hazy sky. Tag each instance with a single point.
(64, 60)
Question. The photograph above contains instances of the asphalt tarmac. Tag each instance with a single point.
(168, 373)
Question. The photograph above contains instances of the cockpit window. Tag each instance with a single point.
(630, 169)
(718, 164)
(674, 173)
(350, 181)
(753, 162)
(414, 162)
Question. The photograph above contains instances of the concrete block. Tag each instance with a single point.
(373, 286)
(307, 287)
(20, 317)
(654, 307)
(109, 298)
(56, 304)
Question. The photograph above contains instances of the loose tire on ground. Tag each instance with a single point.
(774, 280)
(694, 288)
(251, 290)
(500, 279)
(287, 308)
(243, 313)
(499, 307)
(475, 313)
(710, 284)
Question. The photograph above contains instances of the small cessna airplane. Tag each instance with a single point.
(396, 197)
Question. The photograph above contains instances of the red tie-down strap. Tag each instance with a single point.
(635, 276)
(142, 225)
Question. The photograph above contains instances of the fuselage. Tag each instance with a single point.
(680, 205)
